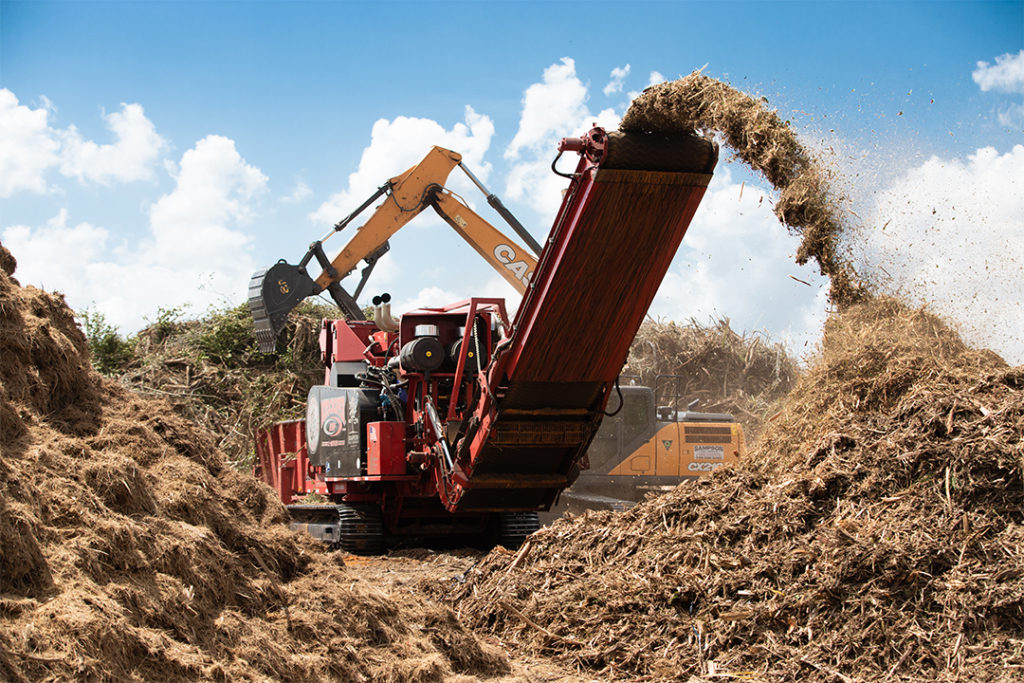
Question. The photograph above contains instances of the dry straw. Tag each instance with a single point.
(131, 551)
(724, 371)
(875, 531)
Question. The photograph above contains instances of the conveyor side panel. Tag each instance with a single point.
(614, 240)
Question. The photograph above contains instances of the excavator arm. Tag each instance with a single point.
(274, 292)
(513, 262)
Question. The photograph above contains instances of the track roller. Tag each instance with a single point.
(360, 529)
(515, 527)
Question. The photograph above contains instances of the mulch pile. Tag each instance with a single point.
(876, 530)
(212, 373)
(768, 145)
(130, 550)
(745, 375)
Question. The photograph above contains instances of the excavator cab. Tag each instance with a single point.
(643, 446)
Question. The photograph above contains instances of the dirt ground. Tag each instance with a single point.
(432, 575)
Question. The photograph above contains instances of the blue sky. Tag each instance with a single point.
(156, 152)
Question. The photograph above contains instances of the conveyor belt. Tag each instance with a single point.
(619, 227)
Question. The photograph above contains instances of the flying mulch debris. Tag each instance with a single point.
(768, 145)
(131, 551)
(876, 530)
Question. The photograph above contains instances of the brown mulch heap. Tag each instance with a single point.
(212, 373)
(745, 375)
(768, 145)
(130, 550)
(877, 530)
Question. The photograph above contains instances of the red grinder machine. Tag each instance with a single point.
(460, 420)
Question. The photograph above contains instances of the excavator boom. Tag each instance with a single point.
(409, 195)
(274, 292)
(513, 262)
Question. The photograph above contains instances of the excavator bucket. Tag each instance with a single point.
(273, 293)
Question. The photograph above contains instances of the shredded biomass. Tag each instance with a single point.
(745, 375)
(768, 145)
(130, 550)
(877, 530)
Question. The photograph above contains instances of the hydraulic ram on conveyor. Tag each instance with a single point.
(628, 205)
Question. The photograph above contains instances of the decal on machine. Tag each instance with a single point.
(332, 420)
(704, 466)
(508, 257)
(640, 463)
(705, 452)
(667, 443)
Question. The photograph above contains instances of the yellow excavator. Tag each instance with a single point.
(640, 447)
(273, 293)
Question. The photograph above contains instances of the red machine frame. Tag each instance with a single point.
(512, 433)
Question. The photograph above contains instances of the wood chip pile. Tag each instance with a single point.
(877, 530)
(131, 551)
(727, 372)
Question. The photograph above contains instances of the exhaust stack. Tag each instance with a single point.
(382, 313)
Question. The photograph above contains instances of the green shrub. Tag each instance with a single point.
(167, 322)
(227, 336)
(109, 352)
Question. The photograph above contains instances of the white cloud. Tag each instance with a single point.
(432, 297)
(131, 157)
(1006, 75)
(497, 287)
(28, 146)
(1011, 116)
(552, 109)
(387, 273)
(736, 258)
(299, 193)
(398, 145)
(951, 238)
(618, 75)
(77, 260)
(427, 251)
(214, 191)
(654, 78)
(192, 255)
(735, 262)
(395, 146)
(55, 255)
